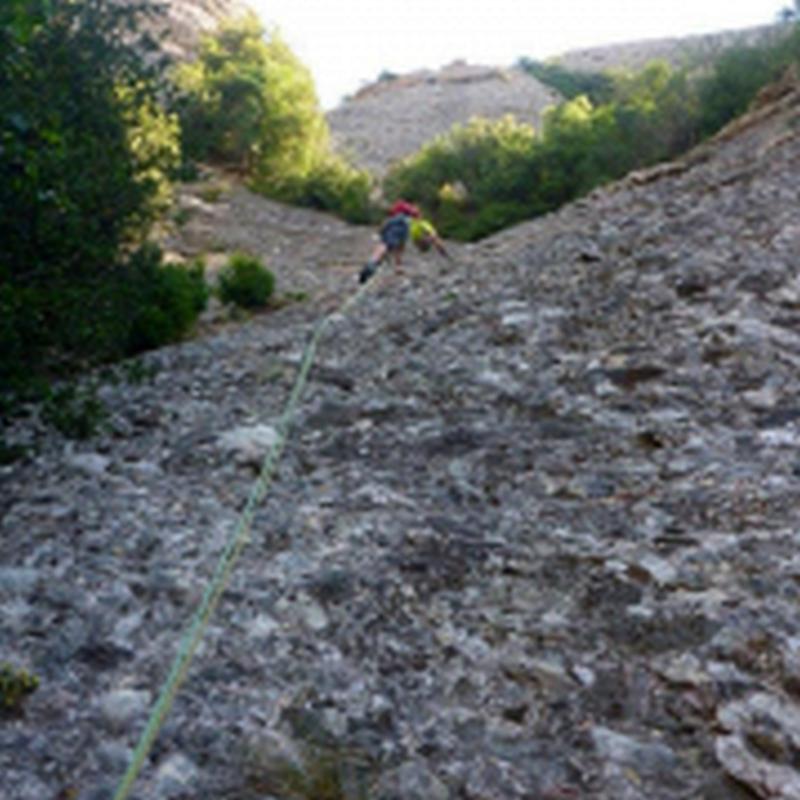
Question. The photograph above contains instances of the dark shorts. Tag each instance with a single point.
(394, 232)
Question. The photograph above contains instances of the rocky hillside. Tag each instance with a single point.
(186, 20)
(679, 51)
(392, 119)
(535, 535)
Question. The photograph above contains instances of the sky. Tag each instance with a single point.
(348, 43)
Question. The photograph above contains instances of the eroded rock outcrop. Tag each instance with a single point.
(185, 21)
(392, 119)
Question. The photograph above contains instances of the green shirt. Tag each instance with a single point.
(421, 230)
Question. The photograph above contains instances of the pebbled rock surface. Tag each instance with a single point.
(308, 251)
(535, 535)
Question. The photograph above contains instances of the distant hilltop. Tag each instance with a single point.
(393, 117)
(678, 51)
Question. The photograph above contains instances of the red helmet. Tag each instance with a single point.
(404, 207)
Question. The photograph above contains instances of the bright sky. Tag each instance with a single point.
(347, 43)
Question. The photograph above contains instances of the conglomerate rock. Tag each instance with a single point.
(535, 534)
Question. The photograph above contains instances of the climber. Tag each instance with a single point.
(404, 221)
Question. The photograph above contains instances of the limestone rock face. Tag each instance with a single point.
(185, 21)
(535, 533)
(392, 119)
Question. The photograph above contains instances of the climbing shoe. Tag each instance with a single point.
(367, 272)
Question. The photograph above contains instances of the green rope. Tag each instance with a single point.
(240, 537)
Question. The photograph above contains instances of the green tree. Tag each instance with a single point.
(656, 111)
(483, 176)
(248, 103)
(597, 86)
(471, 179)
(790, 13)
(84, 153)
(739, 74)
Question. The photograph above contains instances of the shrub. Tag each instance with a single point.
(487, 160)
(85, 148)
(15, 686)
(331, 185)
(739, 74)
(74, 411)
(597, 86)
(249, 104)
(245, 282)
(169, 298)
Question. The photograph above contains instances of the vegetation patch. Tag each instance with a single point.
(74, 411)
(87, 149)
(247, 103)
(15, 686)
(486, 175)
(318, 773)
(245, 282)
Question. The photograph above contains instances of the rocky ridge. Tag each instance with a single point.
(678, 51)
(392, 119)
(535, 535)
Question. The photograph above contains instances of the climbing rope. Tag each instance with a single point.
(227, 560)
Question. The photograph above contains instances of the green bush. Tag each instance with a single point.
(331, 185)
(85, 150)
(597, 86)
(74, 411)
(739, 74)
(487, 160)
(249, 104)
(168, 299)
(245, 282)
(62, 326)
(15, 686)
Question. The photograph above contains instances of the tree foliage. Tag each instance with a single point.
(246, 282)
(597, 86)
(739, 74)
(248, 103)
(481, 177)
(85, 149)
(470, 179)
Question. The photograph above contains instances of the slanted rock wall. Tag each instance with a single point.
(535, 535)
